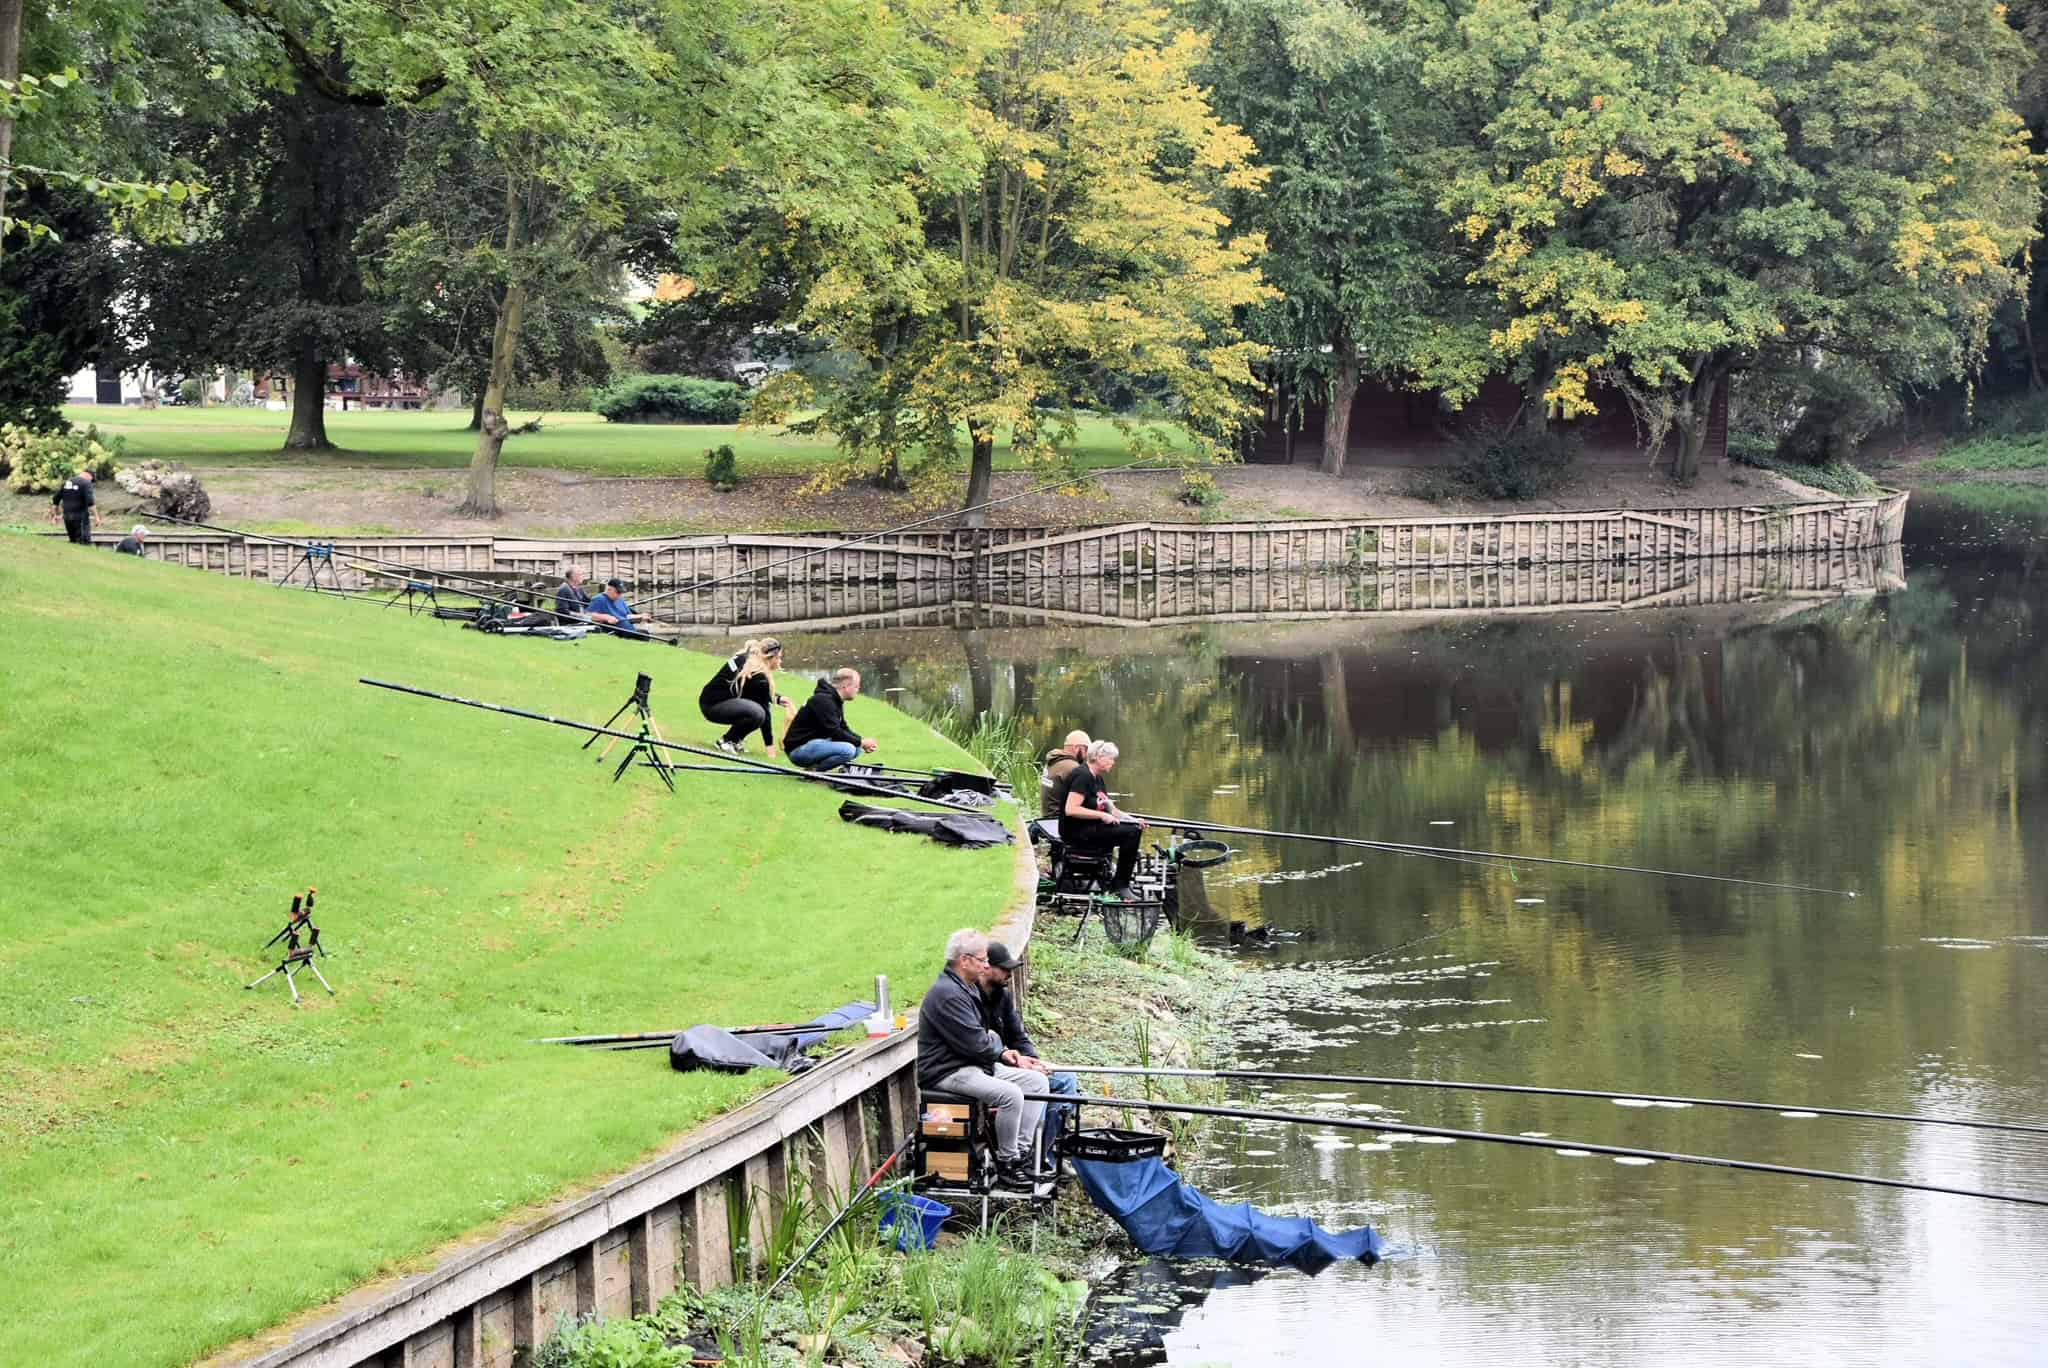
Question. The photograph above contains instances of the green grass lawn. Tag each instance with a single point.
(187, 1162)
(567, 441)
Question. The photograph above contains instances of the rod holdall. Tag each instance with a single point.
(1109, 1145)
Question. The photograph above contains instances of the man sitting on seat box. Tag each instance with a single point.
(818, 737)
(958, 1053)
(999, 1013)
(609, 609)
(571, 602)
(1059, 767)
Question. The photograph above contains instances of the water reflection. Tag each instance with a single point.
(786, 607)
(1891, 743)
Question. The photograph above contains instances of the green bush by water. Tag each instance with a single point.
(670, 399)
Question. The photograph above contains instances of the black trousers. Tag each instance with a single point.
(79, 530)
(1123, 837)
(742, 716)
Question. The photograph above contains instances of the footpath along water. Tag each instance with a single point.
(1893, 744)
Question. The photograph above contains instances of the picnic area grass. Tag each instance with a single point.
(187, 1162)
(226, 436)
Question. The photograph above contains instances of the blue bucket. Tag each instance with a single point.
(915, 1219)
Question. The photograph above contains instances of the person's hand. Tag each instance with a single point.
(867, 743)
(1037, 1066)
(770, 751)
(1012, 1058)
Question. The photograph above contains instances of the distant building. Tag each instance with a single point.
(349, 386)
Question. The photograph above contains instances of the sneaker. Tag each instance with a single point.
(1014, 1175)
(729, 747)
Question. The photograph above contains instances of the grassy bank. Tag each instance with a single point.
(1009, 1299)
(187, 1162)
(580, 442)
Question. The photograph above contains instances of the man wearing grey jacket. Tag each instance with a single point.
(958, 1053)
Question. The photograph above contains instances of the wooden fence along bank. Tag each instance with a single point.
(1141, 549)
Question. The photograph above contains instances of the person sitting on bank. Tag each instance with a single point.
(999, 1013)
(74, 498)
(609, 609)
(1059, 767)
(818, 737)
(1090, 821)
(131, 545)
(742, 693)
(571, 602)
(958, 1053)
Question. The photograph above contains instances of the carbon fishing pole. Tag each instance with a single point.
(895, 531)
(1567, 1147)
(845, 1211)
(1454, 852)
(496, 598)
(1453, 1085)
(740, 760)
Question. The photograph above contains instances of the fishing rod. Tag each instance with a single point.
(740, 760)
(663, 1037)
(1407, 848)
(832, 1225)
(1452, 1085)
(1549, 1143)
(496, 599)
(894, 531)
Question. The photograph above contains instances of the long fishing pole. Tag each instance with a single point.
(742, 761)
(894, 531)
(630, 633)
(833, 1224)
(1549, 1143)
(1453, 1085)
(1407, 848)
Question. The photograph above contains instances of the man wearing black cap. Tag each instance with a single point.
(609, 608)
(958, 1052)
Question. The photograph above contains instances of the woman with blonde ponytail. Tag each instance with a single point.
(741, 696)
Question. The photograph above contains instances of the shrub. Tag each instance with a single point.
(1514, 463)
(40, 462)
(670, 399)
(722, 468)
(176, 492)
(1198, 490)
(1838, 407)
(191, 391)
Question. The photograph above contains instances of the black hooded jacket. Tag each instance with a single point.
(821, 718)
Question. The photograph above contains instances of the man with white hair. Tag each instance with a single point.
(957, 1052)
(131, 545)
(1090, 821)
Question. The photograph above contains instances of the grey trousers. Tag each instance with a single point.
(1003, 1094)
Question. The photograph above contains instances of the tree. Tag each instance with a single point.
(438, 276)
(55, 304)
(1365, 264)
(1669, 189)
(268, 274)
(1081, 236)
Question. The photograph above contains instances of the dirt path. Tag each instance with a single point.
(567, 504)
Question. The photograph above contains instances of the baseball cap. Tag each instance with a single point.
(614, 584)
(999, 957)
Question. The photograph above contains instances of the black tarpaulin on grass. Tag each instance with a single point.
(947, 828)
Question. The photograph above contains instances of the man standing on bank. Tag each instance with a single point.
(76, 501)
(1090, 821)
(958, 1053)
(818, 737)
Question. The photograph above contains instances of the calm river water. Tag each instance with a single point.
(1893, 744)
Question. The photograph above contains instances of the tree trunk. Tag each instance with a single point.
(981, 681)
(1337, 419)
(482, 500)
(308, 431)
(1694, 423)
(981, 477)
(1534, 414)
(10, 70)
(476, 412)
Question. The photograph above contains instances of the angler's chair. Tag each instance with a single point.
(1073, 871)
(956, 1153)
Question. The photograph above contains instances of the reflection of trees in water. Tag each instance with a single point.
(1132, 1311)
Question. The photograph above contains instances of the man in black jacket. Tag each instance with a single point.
(818, 737)
(76, 501)
(957, 1052)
